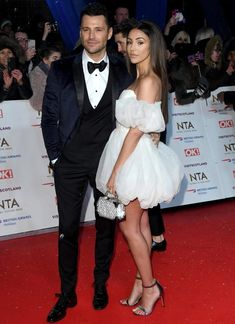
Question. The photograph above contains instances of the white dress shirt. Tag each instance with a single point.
(96, 82)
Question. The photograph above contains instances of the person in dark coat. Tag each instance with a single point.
(228, 97)
(14, 83)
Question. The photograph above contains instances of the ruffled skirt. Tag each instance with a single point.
(152, 174)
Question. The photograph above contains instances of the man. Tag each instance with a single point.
(120, 33)
(77, 119)
(121, 14)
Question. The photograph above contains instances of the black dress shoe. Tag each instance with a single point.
(100, 300)
(159, 246)
(59, 310)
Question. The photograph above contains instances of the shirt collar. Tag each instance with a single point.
(86, 59)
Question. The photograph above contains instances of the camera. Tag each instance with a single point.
(178, 15)
(11, 65)
(54, 26)
(195, 57)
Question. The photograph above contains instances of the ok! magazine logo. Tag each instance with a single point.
(192, 151)
(6, 174)
(226, 123)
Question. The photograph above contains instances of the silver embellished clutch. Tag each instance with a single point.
(109, 206)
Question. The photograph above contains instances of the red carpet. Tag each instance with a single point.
(197, 271)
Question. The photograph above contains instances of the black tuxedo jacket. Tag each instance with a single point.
(63, 99)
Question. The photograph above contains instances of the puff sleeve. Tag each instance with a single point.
(147, 117)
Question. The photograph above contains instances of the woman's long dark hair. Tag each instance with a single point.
(157, 58)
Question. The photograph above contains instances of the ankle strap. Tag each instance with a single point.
(138, 278)
(152, 285)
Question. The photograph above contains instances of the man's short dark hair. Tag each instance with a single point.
(121, 5)
(96, 9)
(124, 27)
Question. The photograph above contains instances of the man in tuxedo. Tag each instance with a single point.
(77, 119)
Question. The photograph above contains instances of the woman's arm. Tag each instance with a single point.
(134, 134)
(129, 144)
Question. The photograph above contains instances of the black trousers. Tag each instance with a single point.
(155, 216)
(156, 221)
(71, 180)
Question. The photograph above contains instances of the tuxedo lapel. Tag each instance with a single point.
(115, 87)
(79, 81)
(120, 80)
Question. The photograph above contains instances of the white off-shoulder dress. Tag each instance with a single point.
(151, 173)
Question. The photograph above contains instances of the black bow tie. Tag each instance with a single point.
(92, 66)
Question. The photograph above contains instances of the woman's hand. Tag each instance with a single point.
(7, 78)
(171, 22)
(111, 183)
(171, 55)
(17, 74)
(47, 30)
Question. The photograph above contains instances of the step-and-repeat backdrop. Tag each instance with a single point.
(202, 133)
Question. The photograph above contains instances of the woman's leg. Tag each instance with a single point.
(137, 233)
(138, 242)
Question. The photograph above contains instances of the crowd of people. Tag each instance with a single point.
(197, 64)
(202, 62)
(104, 112)
(24, 62)
(202, 66)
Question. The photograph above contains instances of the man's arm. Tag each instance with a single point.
(50, 114)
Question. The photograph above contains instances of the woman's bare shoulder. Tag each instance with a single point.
(149, 88)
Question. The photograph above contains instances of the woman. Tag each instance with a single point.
(38, 76)
(217, 74)
(14, 84)
(141, 173)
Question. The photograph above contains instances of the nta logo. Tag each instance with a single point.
(198, 176)
(229, 147)
(184, 125)
(226, 123)
(9, 204)
(6, 174)
(3, 142)
(194, 151)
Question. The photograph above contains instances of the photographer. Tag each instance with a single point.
(14, 84)
(228, 97)
(185, 75)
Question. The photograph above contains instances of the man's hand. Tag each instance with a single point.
(220, 97)
(155, 138)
